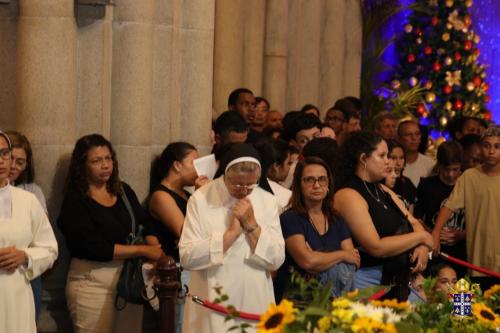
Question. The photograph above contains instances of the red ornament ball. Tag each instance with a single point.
(487, 115)
(419, 32)
(458, 104)
(476, 52)
(411, 58)
(486, 86)
(477, 81)
(458, 56)
(427, 50)
(447, 89)
(436, 67)
(434, 21)
(487, 98)
(467, 45)
(420, 108)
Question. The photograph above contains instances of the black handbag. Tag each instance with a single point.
(130, 287)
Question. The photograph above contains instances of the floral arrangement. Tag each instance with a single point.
(356, 313)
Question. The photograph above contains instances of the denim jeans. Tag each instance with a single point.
(367, 277)
(342, 277)
(36, 287)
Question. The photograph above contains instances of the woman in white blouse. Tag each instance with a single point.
(231, 239)
(28, 248)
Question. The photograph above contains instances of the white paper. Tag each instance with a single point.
(206, 166)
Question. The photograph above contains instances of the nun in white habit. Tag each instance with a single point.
(231, 239)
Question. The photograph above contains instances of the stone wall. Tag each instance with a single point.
(145, 73)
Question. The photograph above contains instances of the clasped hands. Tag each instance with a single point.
(243, 217)
(11, 258)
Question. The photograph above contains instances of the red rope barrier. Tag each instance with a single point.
(469, 265)
(223, 310)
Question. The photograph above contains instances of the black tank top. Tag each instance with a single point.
(169, 242)
(387, 218)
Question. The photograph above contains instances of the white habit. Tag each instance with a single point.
(244, 276)
(27, 229)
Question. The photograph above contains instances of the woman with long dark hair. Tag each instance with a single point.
(383, 229)
(317, 241)
(96, 219)
(171, 172)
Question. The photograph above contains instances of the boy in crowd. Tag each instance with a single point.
(478, 192)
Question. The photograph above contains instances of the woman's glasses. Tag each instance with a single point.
(310, 180)
(5, 153)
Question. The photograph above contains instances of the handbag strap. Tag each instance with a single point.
(130, 211)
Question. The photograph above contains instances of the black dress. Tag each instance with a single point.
(388, 220)
(169, 241)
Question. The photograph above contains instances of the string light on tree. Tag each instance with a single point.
(438, 49)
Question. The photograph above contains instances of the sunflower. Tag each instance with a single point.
(391, 303)
(492, 291)
(369, 325)
(485, 315)
(277, 317)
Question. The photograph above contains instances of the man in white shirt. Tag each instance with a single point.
(417, 165)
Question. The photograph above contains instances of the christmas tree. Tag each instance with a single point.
(438, 52)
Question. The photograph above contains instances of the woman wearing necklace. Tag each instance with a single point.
(317, 241)
(171, 172)
(391, 241)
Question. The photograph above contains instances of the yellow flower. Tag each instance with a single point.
(277, 317)
(341, 302)
(391, 303)
(368, 325)
(342, 315)
(324, 324)
(492, 291)
(485, 315)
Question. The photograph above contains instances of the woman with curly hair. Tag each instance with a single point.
(96, 220)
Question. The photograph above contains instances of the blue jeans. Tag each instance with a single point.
(36, 287)
(342, 277)
(367, 277)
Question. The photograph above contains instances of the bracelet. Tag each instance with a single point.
(251, 229)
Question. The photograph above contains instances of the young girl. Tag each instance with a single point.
(403, 186)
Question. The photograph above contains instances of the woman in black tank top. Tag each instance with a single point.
(171, 172)
(380, 225)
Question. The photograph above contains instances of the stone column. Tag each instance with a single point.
(132, 86)
(254, 14)
(303, 53)
(275, 53)
(353, 48)
(196, 49)
(332, 54)
(8, 24)
(46, 92)
(228, 50)
(164, 122)
(95, 53)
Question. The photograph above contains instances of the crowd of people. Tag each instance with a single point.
(293, 194)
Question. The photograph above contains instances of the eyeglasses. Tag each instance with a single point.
(310, 180)
(5, 153)
(20, 163)
(248, 187)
